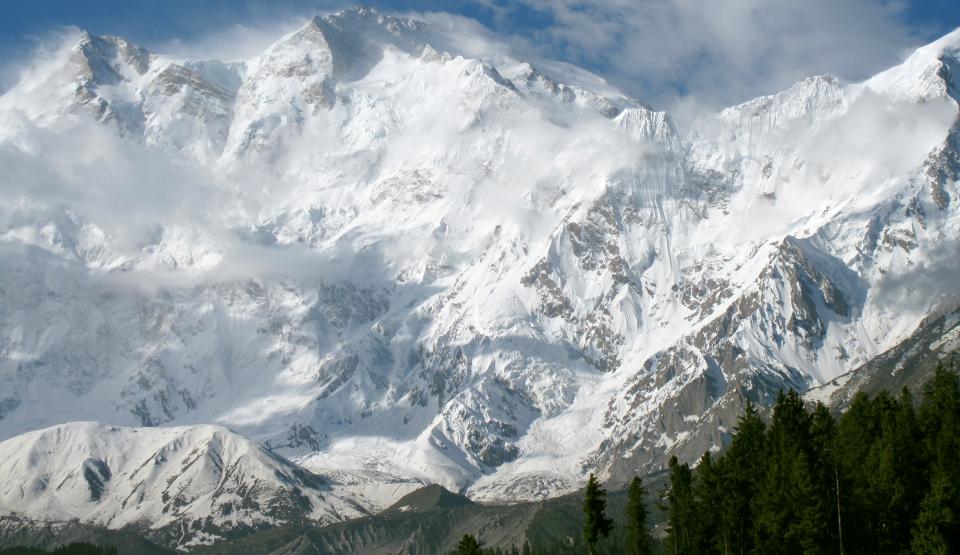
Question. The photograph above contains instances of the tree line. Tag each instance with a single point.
(882, 477)
(634, 539)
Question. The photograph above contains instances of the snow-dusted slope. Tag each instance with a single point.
(182, 485)
(387, 258)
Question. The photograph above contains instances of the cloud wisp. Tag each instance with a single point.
(716, 54)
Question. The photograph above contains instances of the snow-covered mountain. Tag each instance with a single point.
(161, 479)
(388, 255)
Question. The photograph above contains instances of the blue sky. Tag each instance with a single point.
(667, 52)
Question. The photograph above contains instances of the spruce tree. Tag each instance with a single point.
(811, 528)
(708, 492)
(744, 471)
(595, 523)
(932, 533)
(469, 545)
(638, 537)
(776, 498)
(826, 457)
(895, 474)
(682, 510)
(939, 420)
(858, 430)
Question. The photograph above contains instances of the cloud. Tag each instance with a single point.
(723, 52)
(237, 41)
(124, 186)
(931, 281)
(686, 55)
(131, 191)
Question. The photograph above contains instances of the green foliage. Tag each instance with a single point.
(681, 530)
(744, 470)
(882, 478)
(639, 541)
(595, 521)
(468, 545)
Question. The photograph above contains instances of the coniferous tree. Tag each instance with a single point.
(894, 473)
(469, 545)
(780, 526)
(595, 523)
(708, 491)
(639, 541)
(933, 529)
(939, 420)
(857, 431)
(823, 432)
(681, 506)
(882, 478)
(744, 474)
(811, 529)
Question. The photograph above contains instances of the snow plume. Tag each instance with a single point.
(238, 41)
(882, 136)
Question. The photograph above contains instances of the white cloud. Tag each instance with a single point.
(721, 52)
(235, 42)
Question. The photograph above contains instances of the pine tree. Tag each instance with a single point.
(708, 492)
(744, 473)
(469, 545)
(810, 528)
(682, 521)
(857, 432)
(638, 537)
(939, 418)
(595, 523)
(823, 432)
(894, 472)
(788, 493)
(932, 531)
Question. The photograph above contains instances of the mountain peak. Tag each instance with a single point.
(931, 71)
(105, 57)
(167, 476)
(948, 44)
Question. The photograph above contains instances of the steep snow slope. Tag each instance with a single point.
(911, 364)
(386, 258)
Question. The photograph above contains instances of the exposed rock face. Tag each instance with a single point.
(420, 266)
(909, 365)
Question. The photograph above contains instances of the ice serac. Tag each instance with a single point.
(417, 264)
